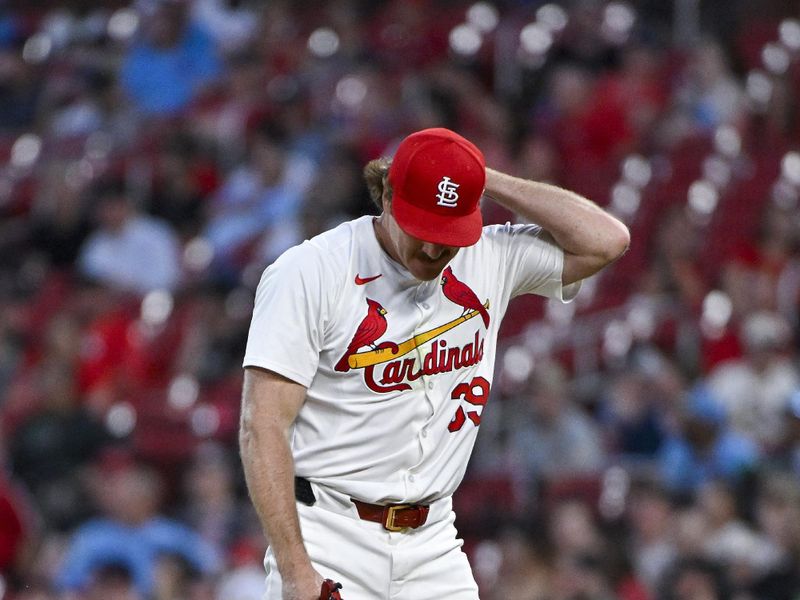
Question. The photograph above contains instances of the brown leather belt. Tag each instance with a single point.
(394, 517)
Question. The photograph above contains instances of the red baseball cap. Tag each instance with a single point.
(437, 180)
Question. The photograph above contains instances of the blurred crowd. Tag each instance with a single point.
(642, 443)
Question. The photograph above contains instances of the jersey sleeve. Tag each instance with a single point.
(286, 330)
(534, 261)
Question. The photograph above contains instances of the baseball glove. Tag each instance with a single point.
(330, 590)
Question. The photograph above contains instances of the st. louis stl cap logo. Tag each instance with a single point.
(447, 193)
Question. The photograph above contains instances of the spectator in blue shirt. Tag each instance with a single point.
(170, 61)
(261, 198)
(705, 448)
(132, 534)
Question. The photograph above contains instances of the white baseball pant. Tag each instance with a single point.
(372, 563)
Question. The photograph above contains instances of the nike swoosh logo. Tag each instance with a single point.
(362, 281)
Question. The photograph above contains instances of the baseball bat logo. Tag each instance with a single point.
(394, 370)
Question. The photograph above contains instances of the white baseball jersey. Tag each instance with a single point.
(398, 371)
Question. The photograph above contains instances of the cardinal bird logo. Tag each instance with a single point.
(460, 293)
(372, 327)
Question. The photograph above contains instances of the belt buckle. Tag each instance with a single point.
(390, 514)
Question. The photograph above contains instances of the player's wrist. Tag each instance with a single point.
(297, 568)
(502, 188)
(301, 582)
(492, 177)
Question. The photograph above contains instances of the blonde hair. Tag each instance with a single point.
(376, 175)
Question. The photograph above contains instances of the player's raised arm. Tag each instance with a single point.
(590, 237)
(270, 404)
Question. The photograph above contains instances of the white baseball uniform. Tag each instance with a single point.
(398, 372)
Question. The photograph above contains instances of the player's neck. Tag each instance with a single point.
(384, 239)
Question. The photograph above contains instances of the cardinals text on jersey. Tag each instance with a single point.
(396, 369)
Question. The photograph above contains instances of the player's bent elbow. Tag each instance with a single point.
(580, 266)
(619, 242)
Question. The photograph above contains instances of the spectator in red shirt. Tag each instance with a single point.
(17, 528)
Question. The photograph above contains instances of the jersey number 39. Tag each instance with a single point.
(475, 393)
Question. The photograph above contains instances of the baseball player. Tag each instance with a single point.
(369, 364)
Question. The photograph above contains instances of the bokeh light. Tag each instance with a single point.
(790, 167)
(157, 307)
(775, 58)
(465, 40)
(636, 170)
(183, 392)
(789, 32)
(26, 150)
(625, 199)
(123, 24)
(535, 39)
(517, 363)
(37, 48)
(484, 16)
(121, 419)
(553, 17)
(323, 42)
(703, 197)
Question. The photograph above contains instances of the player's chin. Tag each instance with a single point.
(428, 270)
